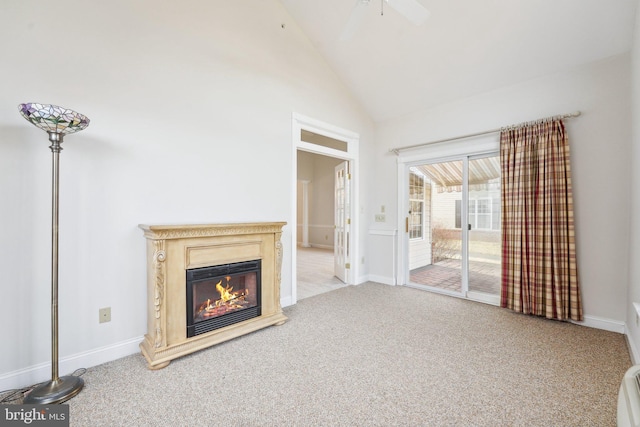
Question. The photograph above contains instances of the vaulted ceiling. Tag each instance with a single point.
(465, 47)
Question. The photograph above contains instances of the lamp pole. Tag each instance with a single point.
(57, 122)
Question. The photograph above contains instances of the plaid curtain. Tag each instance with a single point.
(539, 272)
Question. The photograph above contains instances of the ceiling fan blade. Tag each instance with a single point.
(410, 9)
(355, 19)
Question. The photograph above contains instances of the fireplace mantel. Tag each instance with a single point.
(172, 250)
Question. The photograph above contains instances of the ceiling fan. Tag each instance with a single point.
(410, 9)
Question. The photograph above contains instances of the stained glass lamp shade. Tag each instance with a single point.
(52, 118)
(57, 122)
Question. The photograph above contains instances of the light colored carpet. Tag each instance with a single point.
(374, 355)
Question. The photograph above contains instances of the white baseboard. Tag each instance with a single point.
(319, 246)
(286, 301)
(603, 323)
(362, 279)
(67, 365)
(381, 279)
(633, 348)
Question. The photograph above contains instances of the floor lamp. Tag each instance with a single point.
(57, 122)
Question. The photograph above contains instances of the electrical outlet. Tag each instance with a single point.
(380, 218)
(105, 315)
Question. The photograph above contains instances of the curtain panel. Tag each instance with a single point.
(539, 268)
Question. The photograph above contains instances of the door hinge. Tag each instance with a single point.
(347, 265)
(348, 176)
(348, 220)
(406, 224)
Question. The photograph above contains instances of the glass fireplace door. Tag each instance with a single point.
(221, 295)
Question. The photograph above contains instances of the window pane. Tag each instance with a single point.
(325, 141)
(483, 206)
(483, 221)
(415, 219)
(416, 209)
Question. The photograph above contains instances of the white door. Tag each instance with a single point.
(342, 221)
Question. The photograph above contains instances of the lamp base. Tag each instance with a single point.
(55, 391)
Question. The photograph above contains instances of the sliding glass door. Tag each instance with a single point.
(484, 225)
(435, 236)
(453, 226)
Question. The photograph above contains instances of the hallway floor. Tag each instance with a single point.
(315, 272)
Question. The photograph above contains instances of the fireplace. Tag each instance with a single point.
(222, 295)
(209, 283)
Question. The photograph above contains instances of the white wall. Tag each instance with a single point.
(633, 329)
(190, 105)
(600, 144)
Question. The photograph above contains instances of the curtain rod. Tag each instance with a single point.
(486, 132)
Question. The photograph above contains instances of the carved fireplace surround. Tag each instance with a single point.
(172, 250)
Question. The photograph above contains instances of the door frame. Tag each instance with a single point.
(435, 153)
(299, 123)
(464, 253)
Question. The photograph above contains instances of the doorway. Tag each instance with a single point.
(326, 189)
(453, 226)
(322, 211)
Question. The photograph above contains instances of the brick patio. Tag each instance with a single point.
(447, 274)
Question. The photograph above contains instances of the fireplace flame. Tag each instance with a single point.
(225, 293)
(228, 301)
